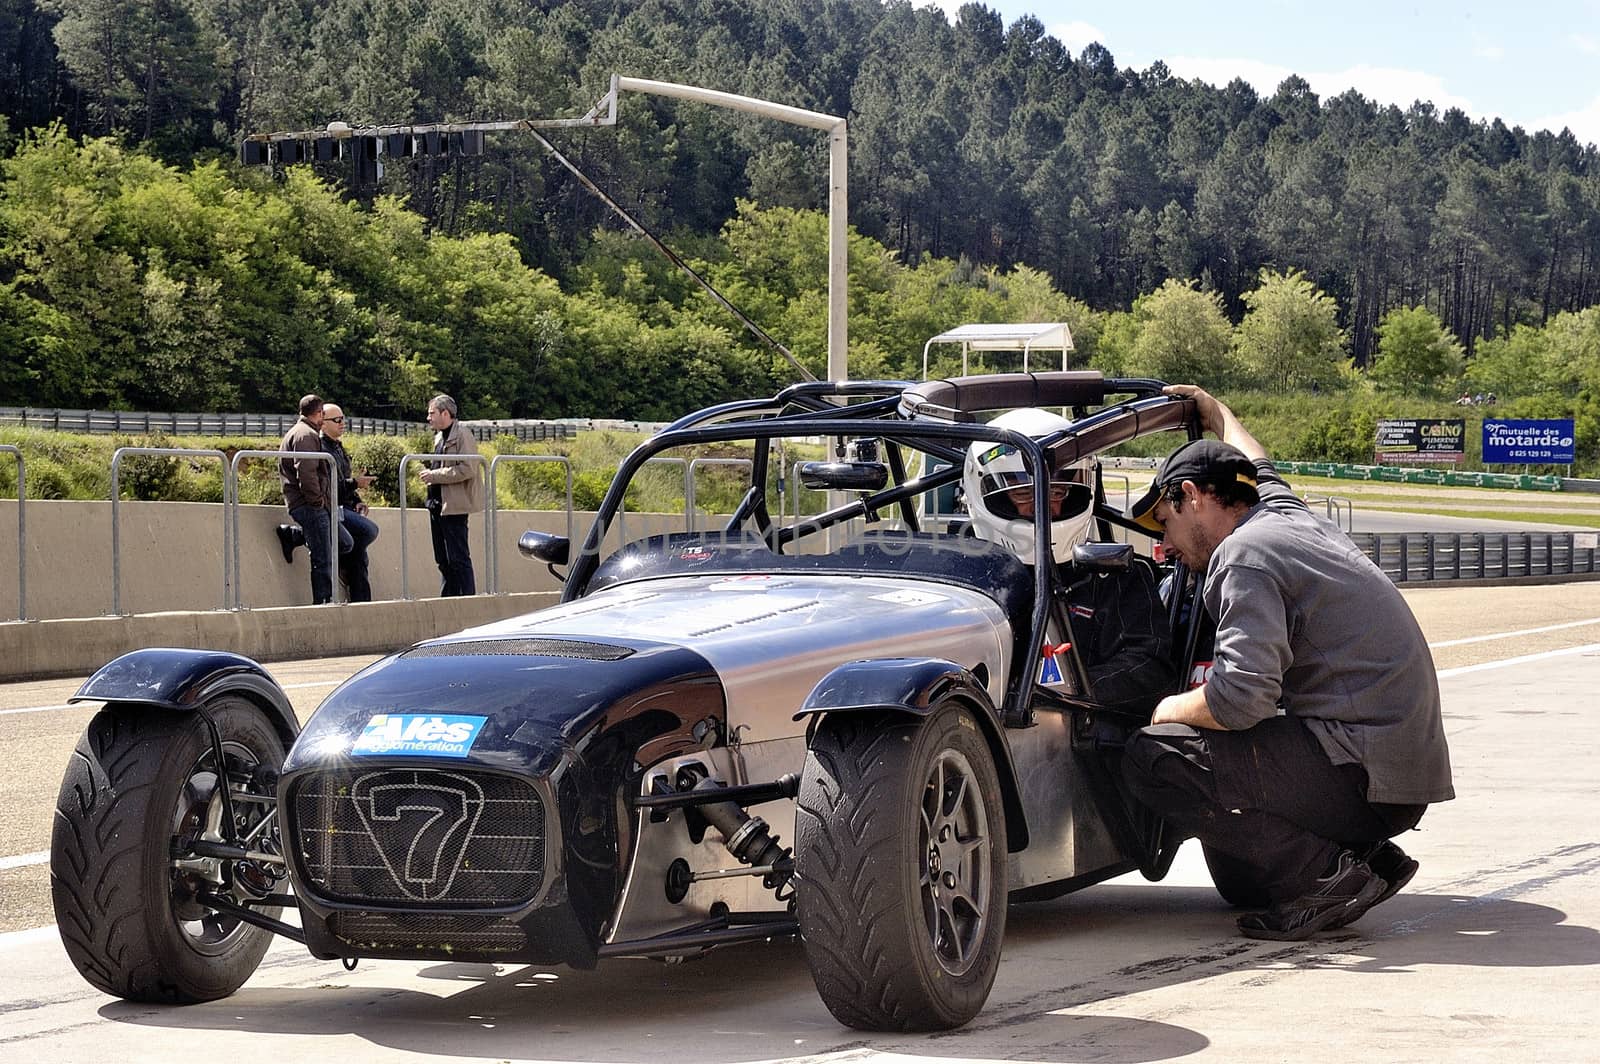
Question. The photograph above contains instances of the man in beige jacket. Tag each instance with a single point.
(453, 494)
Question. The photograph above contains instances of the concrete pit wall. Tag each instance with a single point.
(172, 584)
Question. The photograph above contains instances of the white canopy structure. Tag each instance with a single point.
(1025, 337)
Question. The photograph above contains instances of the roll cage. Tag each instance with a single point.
(937, 418)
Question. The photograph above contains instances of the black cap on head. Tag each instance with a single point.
(1202, 461)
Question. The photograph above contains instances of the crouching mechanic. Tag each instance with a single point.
(1318, 736)
(1118, 622)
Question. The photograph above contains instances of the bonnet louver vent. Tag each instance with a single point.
(547, 648)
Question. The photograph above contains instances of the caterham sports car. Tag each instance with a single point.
(863, 727)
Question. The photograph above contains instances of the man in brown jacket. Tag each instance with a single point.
(453, 494)
(307, 489)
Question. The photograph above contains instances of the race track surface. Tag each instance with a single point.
(1491, 954)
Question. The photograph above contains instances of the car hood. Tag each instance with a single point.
(772, 637)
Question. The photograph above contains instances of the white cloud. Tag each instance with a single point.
(1385, 84)
(1584, 123)
(1492, 52)
(1585, 43)
(1077, 36)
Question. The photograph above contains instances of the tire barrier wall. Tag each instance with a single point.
(1486, 557)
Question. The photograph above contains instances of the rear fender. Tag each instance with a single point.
(915, 686)
(184, 680)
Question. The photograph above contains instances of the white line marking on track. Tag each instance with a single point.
(22, 860)
(18, 939)
(1512, 635)
(1589, 648)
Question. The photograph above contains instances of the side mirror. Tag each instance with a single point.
(545, 547)
(844, 476)
(1103, 557)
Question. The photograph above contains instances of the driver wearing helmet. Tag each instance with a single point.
(1118, 623)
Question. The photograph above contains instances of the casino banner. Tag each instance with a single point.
(1421, 441)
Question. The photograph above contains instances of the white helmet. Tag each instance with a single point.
(994, 470)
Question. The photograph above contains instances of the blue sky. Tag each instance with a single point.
(1535, 63)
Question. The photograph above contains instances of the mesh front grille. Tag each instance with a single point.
(426, 932)
(411, 837)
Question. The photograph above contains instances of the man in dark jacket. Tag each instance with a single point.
(1318, 735)
(356, 530)
(308, 493)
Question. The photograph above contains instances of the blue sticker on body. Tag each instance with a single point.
(1050, 671)
(418, 735)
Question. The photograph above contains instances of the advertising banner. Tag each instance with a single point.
(1418, 440)
(1528, 441)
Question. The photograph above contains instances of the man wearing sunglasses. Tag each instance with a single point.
(1118, 624)
(1318, 735)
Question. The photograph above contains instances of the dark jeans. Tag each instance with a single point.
(450, 551)
(356, 534)
(1267, 797)
(315, 522)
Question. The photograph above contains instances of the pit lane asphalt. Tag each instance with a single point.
(1491, 954)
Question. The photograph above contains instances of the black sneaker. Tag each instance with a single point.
(288, 540)
(1392, 865)
(1343, 894)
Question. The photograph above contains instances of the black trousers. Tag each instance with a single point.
(451, 553)
(1266, 797)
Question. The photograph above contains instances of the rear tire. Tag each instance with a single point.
(127, 915)
(900, 868)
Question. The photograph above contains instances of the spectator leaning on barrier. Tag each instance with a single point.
(453, 495)
(1318, 736)
(356, 530)
(307, 487)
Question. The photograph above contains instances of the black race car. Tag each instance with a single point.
(863, 727)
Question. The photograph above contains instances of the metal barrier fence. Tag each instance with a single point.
(22, 530)
(1408, 557)
(333, 513)
(492, 515)
(690, 513)
(180, 424)
(437, 459)
(116, 518)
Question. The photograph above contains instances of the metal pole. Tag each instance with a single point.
(116, 522)
(440, 459)
(696, 463)
(494, 503)
(22, 530)
(838, 193)
(333, 517)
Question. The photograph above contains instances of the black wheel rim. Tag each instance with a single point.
(955, 856)
(197, 813)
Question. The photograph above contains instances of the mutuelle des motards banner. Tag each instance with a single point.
(1528, 441)
(1416, 440)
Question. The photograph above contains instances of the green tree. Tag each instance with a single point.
(1416, 354)
(1182, 336)
(1290, 337)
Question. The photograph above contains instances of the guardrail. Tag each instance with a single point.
(97, 422)
(22, 529)
(436, 459)
(116, 518)
(333, 513)
(1409, 557)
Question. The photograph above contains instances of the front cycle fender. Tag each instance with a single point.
(184, 680)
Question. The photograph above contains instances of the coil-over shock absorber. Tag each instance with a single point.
(747, 837)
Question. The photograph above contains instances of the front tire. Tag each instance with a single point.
(900, 868)
(127, 911)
